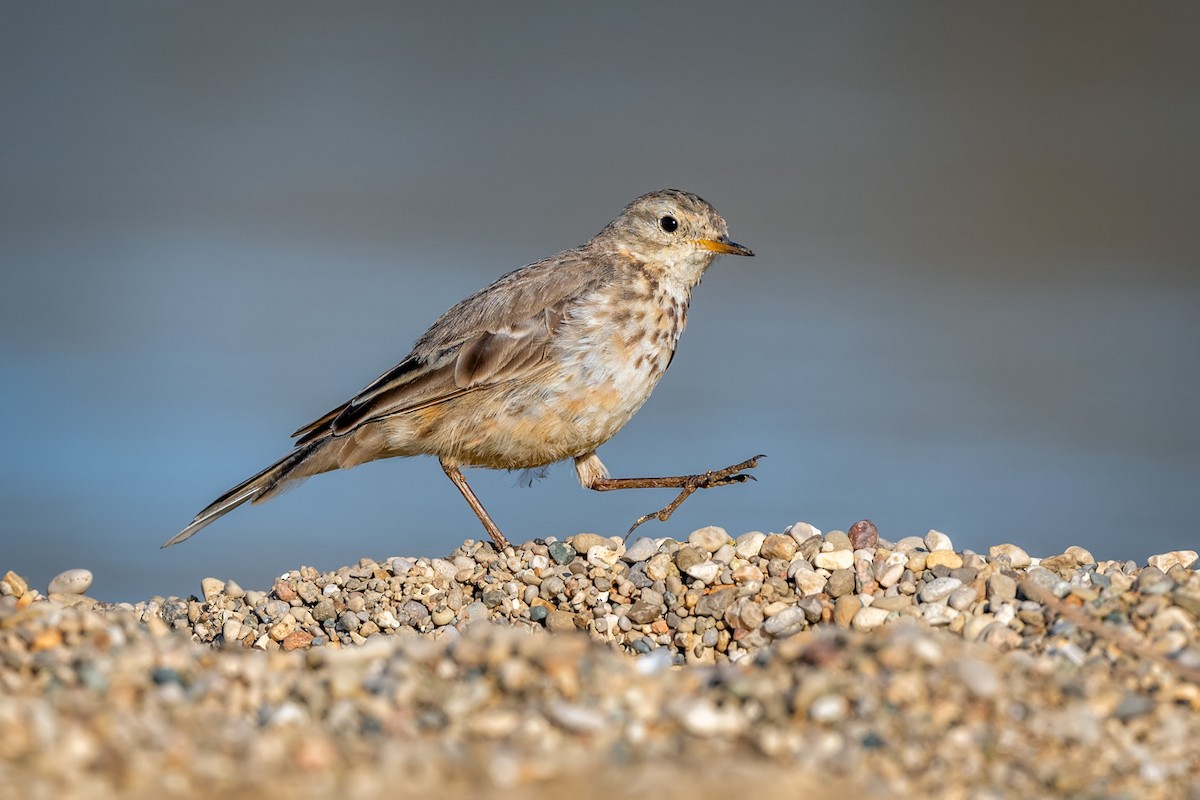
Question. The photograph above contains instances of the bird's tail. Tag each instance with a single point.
(302, 462)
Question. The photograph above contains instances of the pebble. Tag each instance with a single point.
(779, 546)
(793, 648)
(938, 589)
(709, 539)
(639, 551)
(936, 540)
(943, 558)
(834, 560)
(749, 544)
(211, 589)
(863, 535)
(1164, 561)
(71, 581)
(706, 571)
(788, 622)
(1017, 558)
(869, 618)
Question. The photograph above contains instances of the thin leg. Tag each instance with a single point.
(687, 483)
(455, 475)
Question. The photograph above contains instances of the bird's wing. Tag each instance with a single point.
(501, 333)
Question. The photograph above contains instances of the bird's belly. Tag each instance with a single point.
(599, 373)
(568, 410)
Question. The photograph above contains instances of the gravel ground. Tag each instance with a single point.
(797, 662)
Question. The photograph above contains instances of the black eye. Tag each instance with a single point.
(668, 224)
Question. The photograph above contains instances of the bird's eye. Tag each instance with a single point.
(668, 223)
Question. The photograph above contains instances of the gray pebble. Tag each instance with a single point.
(938, 589)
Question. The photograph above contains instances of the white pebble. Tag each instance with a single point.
(706, 571)
(808, 582)
(1016, 556)
(1163, 561)
(748, 544)
(936, 540)
(71, 581)
(709, 539)
(802, 531)
(828, 708)
(868, 619)
(834, 559)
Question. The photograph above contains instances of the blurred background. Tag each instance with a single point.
(974, 306)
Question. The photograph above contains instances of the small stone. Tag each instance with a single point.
(297, 640)
(748, 545)
(324, 611)
(71, 581)
(802, 532)
(841, 582)
(938, 589)
(640, 550)
(211, 588)
(282, 629)
(890, 570)
(809, 582)
(845, 608)
(1001, 589)
(962, 598)
(943, 558)
(574, 717)
(706, 571)
(659, 567)
(233, 590)
(838, 540)
(1164, 561)
(349, 621)
(834, 560)
(232, 630)
(786, 623)
(16, 585)
(908, 544)
(938, 614)
(701, 717)
(709, 539)
(828, 708)
(688, 556)
(1133, 705)
(863, 535)
(715, 603)
(603, 555)
(1082, 556)
(744, 614)
(643, 613)
(1017, 557)
(979, 677)
(582, 542)
(561, 552)
(779, 546)
(936, 540)
(560, 621)
(869, 618)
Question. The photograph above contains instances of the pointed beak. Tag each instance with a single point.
(723, 246)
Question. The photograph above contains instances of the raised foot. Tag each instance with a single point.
(735, 473)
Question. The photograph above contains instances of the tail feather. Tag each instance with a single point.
(262, 486)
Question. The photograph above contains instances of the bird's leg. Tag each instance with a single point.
(455, 475)
(593, 475)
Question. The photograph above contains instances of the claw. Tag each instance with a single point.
(721, 477)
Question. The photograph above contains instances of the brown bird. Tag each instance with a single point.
(547, 363)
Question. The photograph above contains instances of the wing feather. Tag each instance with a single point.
(499, 334)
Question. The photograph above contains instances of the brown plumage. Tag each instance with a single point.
(547, 363)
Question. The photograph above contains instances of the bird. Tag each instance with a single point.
(546, 364)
